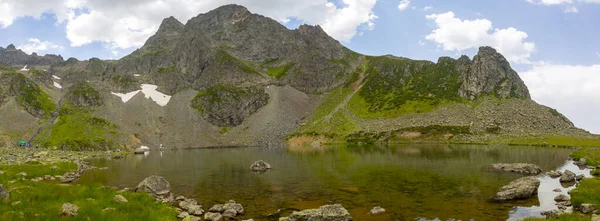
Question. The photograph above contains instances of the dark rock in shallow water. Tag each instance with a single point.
(561, 198)
(523, 168)
(522, 188)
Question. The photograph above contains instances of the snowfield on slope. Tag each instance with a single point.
(149, 91)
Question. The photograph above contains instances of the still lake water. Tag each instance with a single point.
(411, 182)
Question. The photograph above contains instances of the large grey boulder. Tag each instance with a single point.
(260, 166)
(324, 213)
(522, 188)
(567, 177)
(523, 168)
(156, 185)
(4, 194)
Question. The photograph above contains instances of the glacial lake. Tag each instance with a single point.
(412, 182)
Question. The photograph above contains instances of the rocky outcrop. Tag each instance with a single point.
(260, 166)
(324, 213)
(522, 188)
(522, 168)
(83, 94)
(228, 106)
(489, 73)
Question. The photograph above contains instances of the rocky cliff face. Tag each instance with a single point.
(489, 73)
(236, 78)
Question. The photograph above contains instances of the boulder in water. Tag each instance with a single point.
(567, 177)
(561, 198)
(324, 213)
(260, 166)
(522, 188)
(523, 168)
(554, 174)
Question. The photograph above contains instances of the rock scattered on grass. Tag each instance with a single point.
(4, 194)
(69, 209)
(120, 199)
(377, 210)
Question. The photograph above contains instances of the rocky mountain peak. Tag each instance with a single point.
(490, 73)
(11, 47)
(169, 25)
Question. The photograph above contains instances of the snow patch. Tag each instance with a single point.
(137, 75)
(150, 92)
(126, 97)
(24, 68)
(55, 77)
(145, 148)
(57, 85)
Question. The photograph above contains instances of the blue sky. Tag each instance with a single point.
(553, 44)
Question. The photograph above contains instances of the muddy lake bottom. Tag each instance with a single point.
(412, 182)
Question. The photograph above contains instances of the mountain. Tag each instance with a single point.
(229, 77)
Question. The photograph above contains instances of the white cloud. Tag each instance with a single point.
(570, 9)
(35, 45)
(427, 8)
(571, 89)
(127, 24)
(454, 34)
(403, 5)
(421, 42)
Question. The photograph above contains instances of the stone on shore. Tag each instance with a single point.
(217, 208)
(260, 166)
(522, 168)
(552, 213)
(595, 217)
(522, 188)
(324, 213)
(587, 208)
(567, 177)
(158, 186)
(377, 210)
(182, 215)
(232, 205)
(69, 209)
(213, 216)
(579, 177)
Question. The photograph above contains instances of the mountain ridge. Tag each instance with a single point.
(238, 78)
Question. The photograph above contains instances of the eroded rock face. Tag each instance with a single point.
(490, 73)
(522, 188)
(325, 213)
(523, 168)
(228, 106)
(155, 185)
